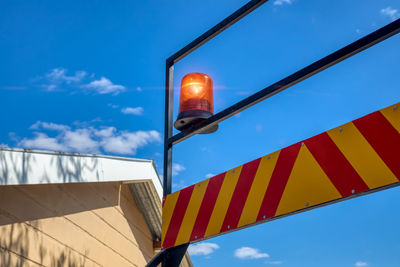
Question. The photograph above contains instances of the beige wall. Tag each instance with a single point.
(85, 224)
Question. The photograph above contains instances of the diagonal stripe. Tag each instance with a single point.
(335, 165)
(177, 216)
(258, 189)
(278, 181)
(240, 194)
(207, 206)
(223, 200)
(308, 185)
(167, 211)
(383, 137)
(191, 213)
(362, 156)
(392, 114)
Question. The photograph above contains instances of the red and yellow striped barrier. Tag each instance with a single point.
(356, 158)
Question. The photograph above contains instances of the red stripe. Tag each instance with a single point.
(240, 195)
(207, 206)
(383, 137)
(177, 216)
(335, 165)
(278, 181)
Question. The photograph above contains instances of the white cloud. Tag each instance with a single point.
(81, 140)
(59, 75)
(209, 175)
(177, 168)
(249, 253)
(89, 139)
(105, 86)
(281, 2)
(202, 249)
(49, 126)
(361, 264)
(50, 87)
(134, 111)
(392, 13)
(128, 142)
(58, 78)
(113, 106)
(104, 132)
(42, 141)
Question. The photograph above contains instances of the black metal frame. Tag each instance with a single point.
(312, 69)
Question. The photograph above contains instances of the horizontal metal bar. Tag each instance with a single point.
(316, 67)
(217, 29)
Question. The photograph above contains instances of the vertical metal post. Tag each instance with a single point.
(169, 100)
(171, 257)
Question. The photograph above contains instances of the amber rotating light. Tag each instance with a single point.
(196, 102)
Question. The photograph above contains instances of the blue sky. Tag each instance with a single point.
(88, 76)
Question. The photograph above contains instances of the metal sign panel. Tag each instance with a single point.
(357, 158)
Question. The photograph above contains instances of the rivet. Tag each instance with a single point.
(264, 217)
(198, 184)
(269, 157)
(229, 227)
(353, 191)
(340, 129)
(395, 107)
(233, 170)
(307, 204)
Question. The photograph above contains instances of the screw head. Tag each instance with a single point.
(395, 107)
(307, 204)
(340, 129)
(195, 237)
(269, 157)
(264, 217)
(353, 191)
(302, 143)
(229, 227)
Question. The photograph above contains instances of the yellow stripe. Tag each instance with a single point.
(307, 186)
(223, 201)
(258, 189)
(191, 212)
(167, 211)
(362, 156)
(392, 114)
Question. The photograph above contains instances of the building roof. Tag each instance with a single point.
(26, 166)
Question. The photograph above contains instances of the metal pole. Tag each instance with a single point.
(170, 257)
(169, 98)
